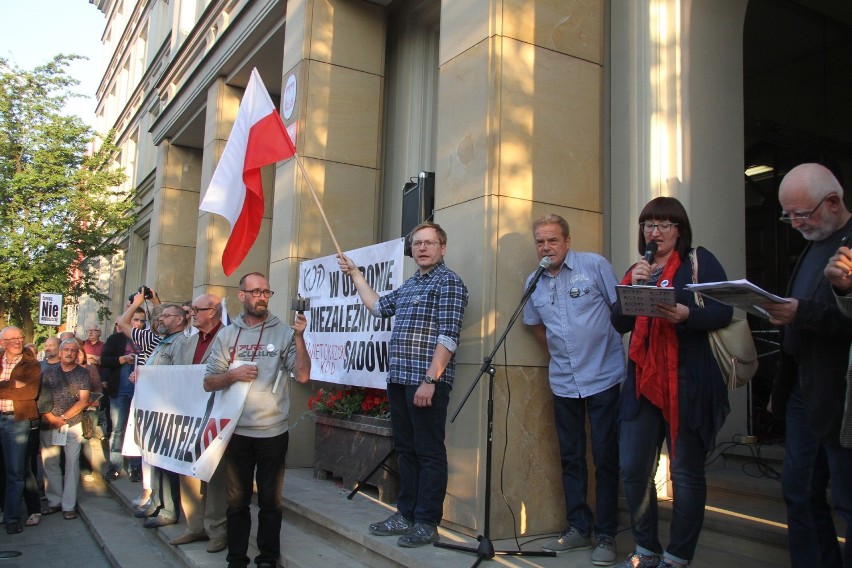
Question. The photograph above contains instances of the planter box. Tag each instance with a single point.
(349, 448)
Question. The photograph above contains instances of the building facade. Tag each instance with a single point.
(586, 108)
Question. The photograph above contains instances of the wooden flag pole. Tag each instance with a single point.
(319, 206)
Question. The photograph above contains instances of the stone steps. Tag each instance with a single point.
(323, 529)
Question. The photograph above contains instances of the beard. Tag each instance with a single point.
(816, 233)
(259, 310)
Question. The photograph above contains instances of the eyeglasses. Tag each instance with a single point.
(194, 310)
(802, 217)
(14, 340)
(664, 228)
(428, 244)
(257, 293)
(164, 316)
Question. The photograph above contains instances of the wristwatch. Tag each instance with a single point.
(430, 380)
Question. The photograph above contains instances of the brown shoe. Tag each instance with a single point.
(187, 537)
(217, 544)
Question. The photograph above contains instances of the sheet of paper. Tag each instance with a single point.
(739, 294)
(60, 436)
(642, 300)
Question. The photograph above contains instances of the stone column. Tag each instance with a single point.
(334, 49)
(677, 129)
(171, 243)
(519, 136)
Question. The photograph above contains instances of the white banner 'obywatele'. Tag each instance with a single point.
(347, 344)
(176, 425)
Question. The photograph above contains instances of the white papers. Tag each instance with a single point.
(59, 436)
(739, 294)
(641, 300)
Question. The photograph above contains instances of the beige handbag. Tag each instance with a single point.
(732, 345)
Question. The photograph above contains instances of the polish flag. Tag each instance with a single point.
(236, 192)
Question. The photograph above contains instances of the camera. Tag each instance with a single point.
(300, 304)
(149, 294)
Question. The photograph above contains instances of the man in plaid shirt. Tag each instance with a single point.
(429, 308)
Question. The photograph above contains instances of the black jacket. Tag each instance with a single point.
(114, 348)
(824, 335)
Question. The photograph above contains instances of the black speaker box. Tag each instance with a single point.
(418, 204)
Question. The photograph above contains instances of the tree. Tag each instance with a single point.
(60, 199)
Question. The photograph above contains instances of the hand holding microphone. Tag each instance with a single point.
(650, 251)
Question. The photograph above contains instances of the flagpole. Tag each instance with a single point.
(319, 205)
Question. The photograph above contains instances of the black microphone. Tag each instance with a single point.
(542, 266)
(650, 251)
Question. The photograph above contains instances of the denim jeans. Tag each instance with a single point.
(245, 460)
(418, 437)
(807, 467)
(119, 409)
(32, 492)
(570, 416)
(639, 450)
(13, 440)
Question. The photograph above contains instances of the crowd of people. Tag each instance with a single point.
(665, 388)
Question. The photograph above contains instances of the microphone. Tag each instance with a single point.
(542, 266)
(650, 251)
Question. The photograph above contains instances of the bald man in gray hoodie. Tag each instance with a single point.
(254, 349)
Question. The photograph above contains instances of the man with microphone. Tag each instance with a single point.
(569, 315)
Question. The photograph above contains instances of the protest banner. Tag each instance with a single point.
(347, 344)
(176, 425)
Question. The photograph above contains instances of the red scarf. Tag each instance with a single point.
(653, 349)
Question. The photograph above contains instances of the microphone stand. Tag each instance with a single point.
(485, 550)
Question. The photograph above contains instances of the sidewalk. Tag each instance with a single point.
(55, 542)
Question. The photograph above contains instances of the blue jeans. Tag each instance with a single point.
(639, 449)
(570, 415)
(119, 409)
(418, 438)
(246, 460)
(14, 435)
(808, 465)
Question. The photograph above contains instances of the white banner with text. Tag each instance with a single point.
(176, 425)
(347, 344)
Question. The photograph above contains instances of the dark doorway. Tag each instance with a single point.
(798, 79)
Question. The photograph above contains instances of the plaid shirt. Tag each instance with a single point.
(5, 375)
(429, 309)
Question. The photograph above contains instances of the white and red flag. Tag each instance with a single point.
(236, 191)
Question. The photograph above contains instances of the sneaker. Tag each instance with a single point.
(571, 539)
(135, 475)
(394, 525)
(112, 475)
(421, 535)
(604, 553)
(636, 560)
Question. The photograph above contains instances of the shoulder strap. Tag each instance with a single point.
(693, 257)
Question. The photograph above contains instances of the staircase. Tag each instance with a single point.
(744, 526)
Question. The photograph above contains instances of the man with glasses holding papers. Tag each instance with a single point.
(811, 384)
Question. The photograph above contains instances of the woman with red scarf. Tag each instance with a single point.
(674, 389)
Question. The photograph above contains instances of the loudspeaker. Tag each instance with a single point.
(418, 204)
